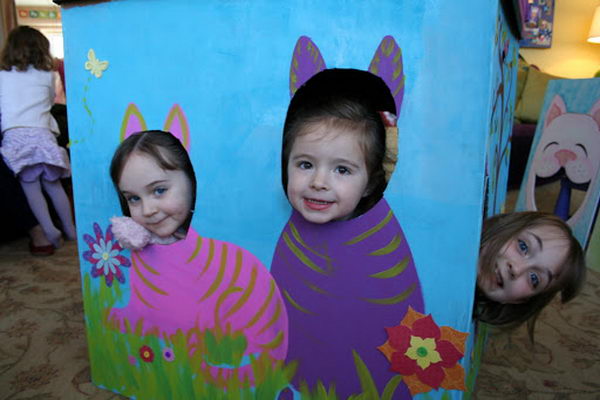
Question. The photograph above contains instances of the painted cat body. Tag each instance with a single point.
(204, 283)
(343, 283)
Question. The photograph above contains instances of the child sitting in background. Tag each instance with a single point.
(29, 145)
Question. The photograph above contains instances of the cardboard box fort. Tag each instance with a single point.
(253, 302)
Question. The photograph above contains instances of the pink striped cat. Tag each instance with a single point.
(198, 284)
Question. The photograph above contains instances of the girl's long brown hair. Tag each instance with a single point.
(26, 46)
(499, 230)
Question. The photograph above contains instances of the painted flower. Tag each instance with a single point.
(132, 360)
(146, 353)
(425, 354)
(95, 66)
(104, 255)
(168, 354)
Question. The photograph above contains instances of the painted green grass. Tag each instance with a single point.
(169, 371)
(181, 373)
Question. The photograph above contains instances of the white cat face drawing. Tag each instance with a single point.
(569, 141)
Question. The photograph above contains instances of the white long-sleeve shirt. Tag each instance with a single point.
(26, 98)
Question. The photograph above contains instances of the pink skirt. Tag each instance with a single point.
(37, 148)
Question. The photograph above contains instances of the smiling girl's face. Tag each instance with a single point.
(327, 174)
(158, 199)
(528, 264)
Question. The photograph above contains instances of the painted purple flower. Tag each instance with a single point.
(104, 255)
(168, 354)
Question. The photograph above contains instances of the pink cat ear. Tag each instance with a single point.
(132, 122)
(306, 62)
(387, 64)
(595, 113)
(556, 109)
(177, 124)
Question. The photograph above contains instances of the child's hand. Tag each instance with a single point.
(129, 233)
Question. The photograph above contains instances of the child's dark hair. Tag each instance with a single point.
(165, 149)
(499, 230)
(349, 99)
(26, 46)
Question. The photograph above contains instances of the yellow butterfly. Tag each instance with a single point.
(95, 66)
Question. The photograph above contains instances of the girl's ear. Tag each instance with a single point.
(177, 124)
(387, 64)
(132, 122)
(306, 62)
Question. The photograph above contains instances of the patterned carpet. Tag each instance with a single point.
(43, 353)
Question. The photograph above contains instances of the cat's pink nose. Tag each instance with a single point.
(564, 156)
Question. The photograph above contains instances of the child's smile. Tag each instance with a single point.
(158, 199)
(327, 174)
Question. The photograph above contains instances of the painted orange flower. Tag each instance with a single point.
(425, 354)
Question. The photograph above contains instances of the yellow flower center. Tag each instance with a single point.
(423, 351)
(105, 256)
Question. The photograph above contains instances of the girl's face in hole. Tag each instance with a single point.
(158, 199)
(529, 264)
(327, 173)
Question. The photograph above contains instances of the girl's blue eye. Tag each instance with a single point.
(523, 246)
(304, 165)
(159, 190)
(132, 199)
(535, 280)
(342, 170)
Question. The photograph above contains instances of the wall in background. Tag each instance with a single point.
(571, 55)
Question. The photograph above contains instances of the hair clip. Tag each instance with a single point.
(389, 119)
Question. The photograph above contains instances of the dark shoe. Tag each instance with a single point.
(41, 251)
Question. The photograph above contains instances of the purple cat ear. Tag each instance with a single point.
(306, 62)
(177, 124)
(132, 122)
(387, 64)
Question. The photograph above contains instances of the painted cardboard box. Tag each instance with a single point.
(216, 315)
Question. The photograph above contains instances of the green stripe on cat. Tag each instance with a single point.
(392, 272)
(371, 231)
(296, 236)
(393, 300)
(389, 248)
(244, 297)
(219, 276)
(263, 307)
(294, 304)
(196, 250)
(301, 256)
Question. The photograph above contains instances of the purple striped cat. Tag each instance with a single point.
(344, 282)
